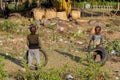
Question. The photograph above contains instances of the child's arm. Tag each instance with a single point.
(39, 43)
(102, 40)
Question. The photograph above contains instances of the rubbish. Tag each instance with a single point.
(6, 54)
(79, 42)
(1, 43)
(60, 40)
(61, 29)
(69, 77)
(113, 52)
(116, 78)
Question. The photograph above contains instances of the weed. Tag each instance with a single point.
(92, 72)
(52, 27)
(113, 45)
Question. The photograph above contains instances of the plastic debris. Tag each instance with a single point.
(116, 78)
(69, 77)
(113, 52)
(1, 43)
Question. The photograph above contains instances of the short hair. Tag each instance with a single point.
(32, 26)
(97, 27)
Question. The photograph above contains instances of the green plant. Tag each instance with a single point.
(92, 72)
(54, 36)
(116, 46)
(113, 45)
(3, 73)
(9, 26)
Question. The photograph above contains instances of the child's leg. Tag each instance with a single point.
(30, 57)
(37, 56)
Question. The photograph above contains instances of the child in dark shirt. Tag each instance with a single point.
(33, 44)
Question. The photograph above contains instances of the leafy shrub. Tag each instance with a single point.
(8, 26)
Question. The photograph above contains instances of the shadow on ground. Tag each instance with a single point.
(72, 57)
(12, 59)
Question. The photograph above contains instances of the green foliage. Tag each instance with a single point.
(8, 26)
(93, 71)
(13, 7)
(113, 45)
(116, 46)
(3, 74)
(90, 72)
(20, 7)
(53, 28)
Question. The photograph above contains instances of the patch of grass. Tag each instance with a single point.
(113, 45)
(9, 26)
(90, 72)
(3, 73)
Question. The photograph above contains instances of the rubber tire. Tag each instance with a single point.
(103, 55)
(45, 55)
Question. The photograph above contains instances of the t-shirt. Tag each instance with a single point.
(97, 39)
(33, 41)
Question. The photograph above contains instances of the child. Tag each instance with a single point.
(33, 44)
(97, 38)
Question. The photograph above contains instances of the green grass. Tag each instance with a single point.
(3, 73)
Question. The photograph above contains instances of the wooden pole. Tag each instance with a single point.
(118, 5)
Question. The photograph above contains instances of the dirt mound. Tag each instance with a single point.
(15, 15)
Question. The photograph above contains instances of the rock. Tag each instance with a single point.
(62, 15)
(50, 13)
(37, 22)
(38, 13)
(46, 23)
(75, 14)
(97, 22)
(17, 15)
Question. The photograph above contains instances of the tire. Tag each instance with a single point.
(103, 55)
(43, 58)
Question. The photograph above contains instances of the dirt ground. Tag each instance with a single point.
(61, 51)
